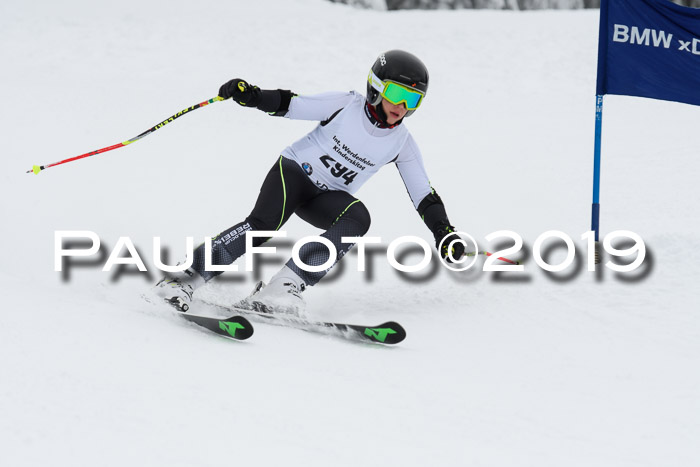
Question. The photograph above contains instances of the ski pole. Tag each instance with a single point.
(506, 260)
(38, 168)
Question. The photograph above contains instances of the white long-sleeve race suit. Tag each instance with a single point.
(346, 148)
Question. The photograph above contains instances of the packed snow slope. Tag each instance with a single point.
(513, 369)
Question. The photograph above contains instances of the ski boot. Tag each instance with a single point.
(177, 289)
(281, 295)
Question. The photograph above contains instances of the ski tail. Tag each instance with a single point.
(234, 327)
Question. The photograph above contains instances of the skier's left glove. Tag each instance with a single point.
(240, 91)
(445, 234)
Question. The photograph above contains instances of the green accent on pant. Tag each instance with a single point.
(345, 210)
(284, 190)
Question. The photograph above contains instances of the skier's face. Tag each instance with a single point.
(393, 112)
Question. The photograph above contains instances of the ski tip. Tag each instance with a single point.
(390, 333)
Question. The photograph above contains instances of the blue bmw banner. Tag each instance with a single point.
(649, 48)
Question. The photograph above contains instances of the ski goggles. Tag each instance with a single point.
(396, 93)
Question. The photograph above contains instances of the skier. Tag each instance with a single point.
(317, 175)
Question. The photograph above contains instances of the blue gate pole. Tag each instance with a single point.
(595, 212)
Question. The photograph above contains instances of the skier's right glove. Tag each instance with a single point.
(240, 91)
(445, 234)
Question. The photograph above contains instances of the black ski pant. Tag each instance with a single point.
(288, 190)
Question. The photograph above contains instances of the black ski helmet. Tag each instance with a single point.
(400, 67)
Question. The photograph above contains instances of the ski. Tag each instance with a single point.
(388, 333)
(234, 327)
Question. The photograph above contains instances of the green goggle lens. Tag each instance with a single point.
(397, 94)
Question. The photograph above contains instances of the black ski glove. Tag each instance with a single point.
(242, 92)
(447, 232)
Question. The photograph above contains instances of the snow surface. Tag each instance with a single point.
(497, 370)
